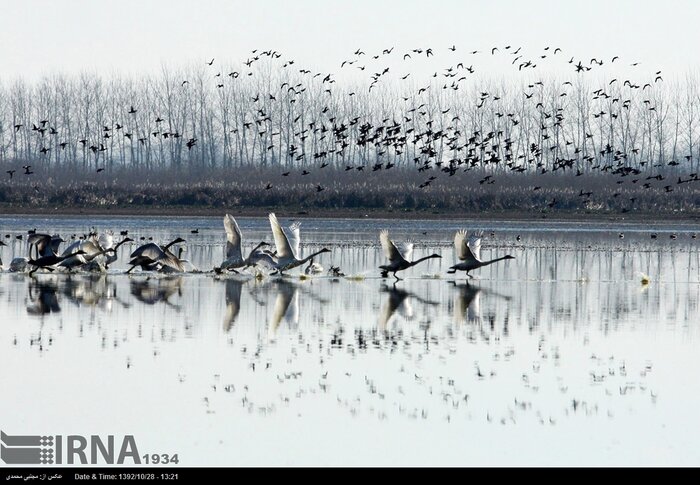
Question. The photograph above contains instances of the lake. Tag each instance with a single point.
(561, 356)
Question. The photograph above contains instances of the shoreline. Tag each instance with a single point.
(432, 214)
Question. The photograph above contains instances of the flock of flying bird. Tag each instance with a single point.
(96, 252)
(417, 131)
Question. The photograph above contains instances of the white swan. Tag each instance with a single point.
(102, 262)
(74, 260)
(288, 247)
(469, 252)
(234, 255)
(153, 257)
(398, 260)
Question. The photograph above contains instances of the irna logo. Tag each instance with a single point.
(70, 449)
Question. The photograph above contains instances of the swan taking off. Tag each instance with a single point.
(151, 256)
(44, 244)
(51, 260)
(234, 255)
(398, 260)
(288, 247)
(469, 252)
(91, 250)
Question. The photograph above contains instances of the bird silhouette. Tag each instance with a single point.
(468, 251)
(398, 260)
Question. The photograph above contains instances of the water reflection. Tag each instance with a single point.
(286, 307)
(398, 303)
(466, 303)
(234, 289)
(95, 290)
(567, 334)
(290, 302)
(151, 291)
(42, 297)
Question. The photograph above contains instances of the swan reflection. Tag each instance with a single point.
(467, 301)
(233, 302)
(286, 307)
(156, 290)
(42, 296)
(398, 303)
(93, 289)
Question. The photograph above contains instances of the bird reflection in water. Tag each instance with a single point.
(92, 289)
(467, 302)
(397, 303)
(42, 296)
(156, 290)
(286, 307)
(233, 302)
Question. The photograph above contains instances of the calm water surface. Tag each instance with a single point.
(560, 356)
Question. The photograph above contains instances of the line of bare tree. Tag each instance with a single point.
(267, 115)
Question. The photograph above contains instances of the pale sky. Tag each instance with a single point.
(133, 36)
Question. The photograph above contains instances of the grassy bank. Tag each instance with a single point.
(337, 193)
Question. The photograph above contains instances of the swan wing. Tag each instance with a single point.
(90, 248)
(407, 251)
(475, 244)
(41, 241)
(262, 258)
(284, 249)
(151, 250)
(390, 249)
(156, 254)
(233, 238)
(171, 261)
(295, 238)
(106, 240)
(54, 244)
(75, 246)
(462, 250)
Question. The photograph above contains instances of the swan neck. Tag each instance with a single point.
(422, 259)
(495, 260)
(310, 257)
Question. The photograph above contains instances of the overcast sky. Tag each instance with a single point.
(131, 36)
